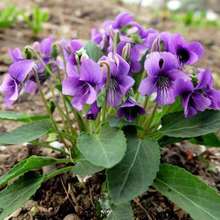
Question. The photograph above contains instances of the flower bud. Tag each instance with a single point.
(28, 53)
(80, 55)
(116, 39)
(126, 51)
(55, 51)
(158, 45)
(194, 78)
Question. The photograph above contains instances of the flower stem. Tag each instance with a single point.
(115, 41)
(146, 102)
(44, 99)
(63, 116)
(103, 63)
(64, 60)
(67, 115)
(66, 102)
(142, 77)
(152, 116)
(148, 121)
(47, 108)
(80, 122)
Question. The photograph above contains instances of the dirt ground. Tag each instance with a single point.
(64, 197)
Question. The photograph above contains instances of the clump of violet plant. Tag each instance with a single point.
(120, 97)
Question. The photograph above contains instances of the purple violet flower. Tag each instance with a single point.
(45, 49)
(136, 53)
(187, 53)
(198, 96)
(124, 25)
(10, 89)
(18, 77)
(147, 33)
(103, 36)
(74, 46)
(83, 86)
(135, 28)
(162, 70)
(70, 50)
(21, 70)
(122, 20)
(15, 55)
(130, 110)
(159, 41)
(120, 82)
(93, 112)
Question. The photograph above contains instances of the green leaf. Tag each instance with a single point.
(31, 163)
(188, 192)
(165, 140)
(56, 172)
(176, 125)
(26, 133)
(15, 195)
(8, 16)
(136, 172)
(16, 116)
(93, 51)
(209, 140)
(104, 149)
(85, 168)
(121, 212)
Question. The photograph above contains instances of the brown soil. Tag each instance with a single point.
(65, 196)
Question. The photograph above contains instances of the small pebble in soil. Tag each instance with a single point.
(71, 217)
